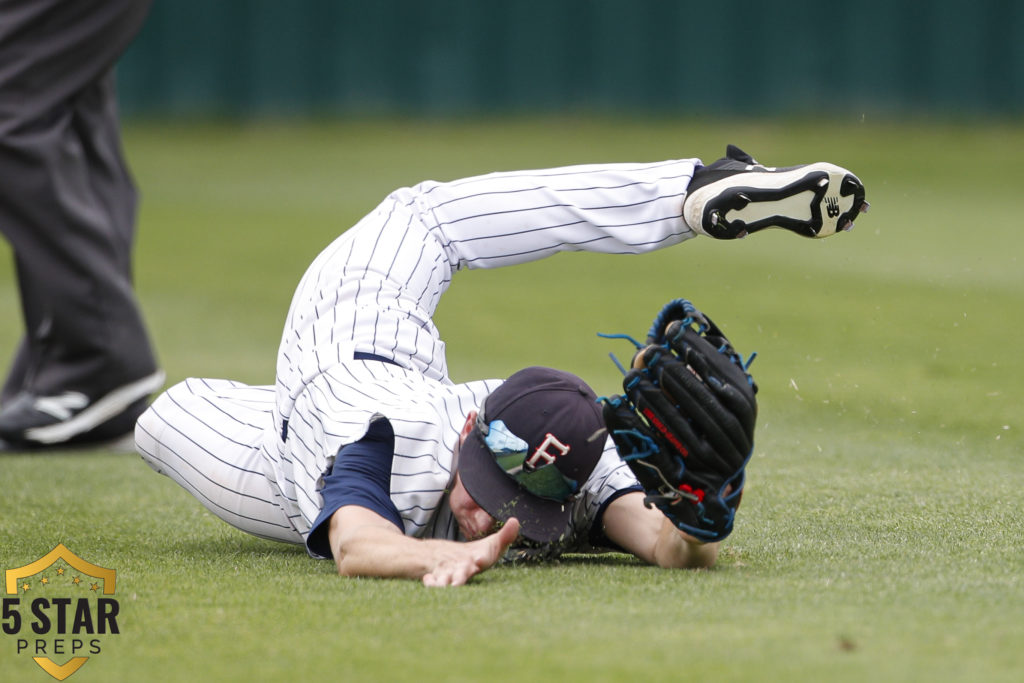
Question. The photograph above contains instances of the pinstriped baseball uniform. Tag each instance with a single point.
(359, 344)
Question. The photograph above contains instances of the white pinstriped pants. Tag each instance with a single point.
(206, 434)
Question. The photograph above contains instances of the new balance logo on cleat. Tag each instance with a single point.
(736, 196)
(832, 206)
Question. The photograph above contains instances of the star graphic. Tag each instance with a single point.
(76, 581)
(94, 587)
(44, 581)
(25, 586)
(60, 571)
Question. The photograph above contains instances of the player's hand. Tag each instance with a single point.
(457, 563)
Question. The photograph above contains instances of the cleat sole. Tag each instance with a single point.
(816, 200)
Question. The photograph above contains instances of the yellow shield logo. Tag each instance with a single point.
(58, 609)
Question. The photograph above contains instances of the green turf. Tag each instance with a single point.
(881, 536)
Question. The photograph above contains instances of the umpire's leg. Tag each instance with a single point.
(67, 206)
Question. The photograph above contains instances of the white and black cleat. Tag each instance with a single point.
(736, 196)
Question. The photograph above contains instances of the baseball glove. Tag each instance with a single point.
(685, 424)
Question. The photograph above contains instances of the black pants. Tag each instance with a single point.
(67, 200)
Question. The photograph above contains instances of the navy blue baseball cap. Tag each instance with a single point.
(536, 440)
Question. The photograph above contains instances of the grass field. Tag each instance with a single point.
(881, 536)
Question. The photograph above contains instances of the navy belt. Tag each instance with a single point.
(362, 355)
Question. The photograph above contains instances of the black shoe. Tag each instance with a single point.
(72, 418)
(736, 196)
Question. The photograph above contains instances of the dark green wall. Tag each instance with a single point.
(257, 57)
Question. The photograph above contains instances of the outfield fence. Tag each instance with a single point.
(269, 57)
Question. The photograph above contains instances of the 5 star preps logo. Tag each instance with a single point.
(59, 610)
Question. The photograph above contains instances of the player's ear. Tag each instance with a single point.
(468, 426)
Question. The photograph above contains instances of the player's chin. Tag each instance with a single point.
(473, 533)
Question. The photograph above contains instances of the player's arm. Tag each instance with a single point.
(364, 543)
(360, 527)
(648, 534)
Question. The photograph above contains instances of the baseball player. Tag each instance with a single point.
(365, 451)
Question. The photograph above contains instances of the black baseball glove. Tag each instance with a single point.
(686, 422)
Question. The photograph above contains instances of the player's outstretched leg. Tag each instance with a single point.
(736, 196)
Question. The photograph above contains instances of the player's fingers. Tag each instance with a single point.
(647, 356)
(497, 543)
(508, 533)
(433, 580)
(462, 574)
(451, 572)
(473, 557)
(453, 567)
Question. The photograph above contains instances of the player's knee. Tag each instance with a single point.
(150, 426)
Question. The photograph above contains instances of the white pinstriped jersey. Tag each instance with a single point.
(257, 458)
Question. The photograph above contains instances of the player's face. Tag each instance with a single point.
(473, 520)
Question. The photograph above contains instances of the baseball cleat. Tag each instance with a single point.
(736, 196)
